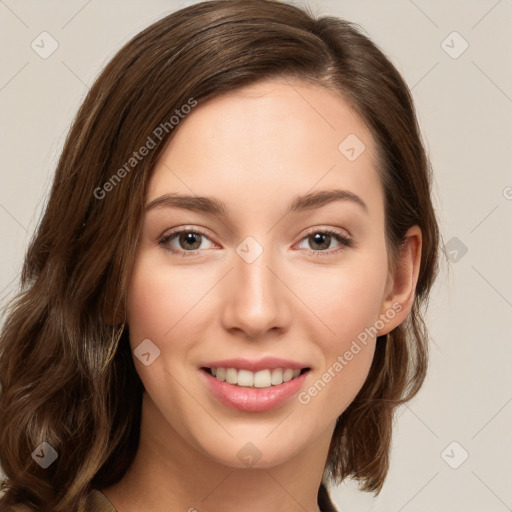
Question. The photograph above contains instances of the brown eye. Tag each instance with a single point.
(188, 240)
(183, 241)
(319, 242)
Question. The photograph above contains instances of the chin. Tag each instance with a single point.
(256, 447)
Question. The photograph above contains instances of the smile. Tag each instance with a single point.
(245, 395)
(260, 379)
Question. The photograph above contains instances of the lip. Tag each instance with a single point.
(255, 365)
(250, 399)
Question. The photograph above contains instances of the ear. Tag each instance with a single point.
(401, 283)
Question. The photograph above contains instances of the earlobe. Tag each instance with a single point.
(401, 285)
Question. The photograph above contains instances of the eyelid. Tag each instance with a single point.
(338, 231)
(189, 228)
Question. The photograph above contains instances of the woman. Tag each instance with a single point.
(222, 304)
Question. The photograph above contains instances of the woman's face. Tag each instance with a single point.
(248, 254)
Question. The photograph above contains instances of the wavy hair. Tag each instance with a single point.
(66, 370)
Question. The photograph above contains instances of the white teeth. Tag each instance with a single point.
(262, 379)
(259, 379)
(231, 376)
(277, 376)
(287, 375)
(245, 377)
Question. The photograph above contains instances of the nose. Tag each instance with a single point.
(256, 300)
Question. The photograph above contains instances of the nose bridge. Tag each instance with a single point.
(255, 302)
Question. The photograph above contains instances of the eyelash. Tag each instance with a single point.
(340, 237)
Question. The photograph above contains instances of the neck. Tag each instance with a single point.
(168, 474)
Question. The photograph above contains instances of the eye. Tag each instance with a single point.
(187, 241)
(320, 240)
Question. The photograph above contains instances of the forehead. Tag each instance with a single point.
(285, 113)
(267, 140)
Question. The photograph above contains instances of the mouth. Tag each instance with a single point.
(261, 379)
(253, 391)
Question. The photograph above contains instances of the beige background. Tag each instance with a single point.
(465, 110)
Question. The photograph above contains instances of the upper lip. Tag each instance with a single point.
(255, 365)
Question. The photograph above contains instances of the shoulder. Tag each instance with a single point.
(98, 502)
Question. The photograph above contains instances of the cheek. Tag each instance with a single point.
(347, 304)
(346, 299)
(160, 307)
(346, 343)
(159, 298)
(147, 306)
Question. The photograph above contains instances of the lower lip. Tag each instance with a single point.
(253, 399)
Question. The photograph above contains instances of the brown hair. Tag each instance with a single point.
(67, 377)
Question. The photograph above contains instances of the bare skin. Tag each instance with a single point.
(256, 150)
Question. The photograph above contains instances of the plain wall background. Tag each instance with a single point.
(464, 104)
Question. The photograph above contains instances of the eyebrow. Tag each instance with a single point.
(216, 207)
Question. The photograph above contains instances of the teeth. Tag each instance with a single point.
(287, 375)
(260, 379)
(277, 376)
(231, 376)
(245, 377)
